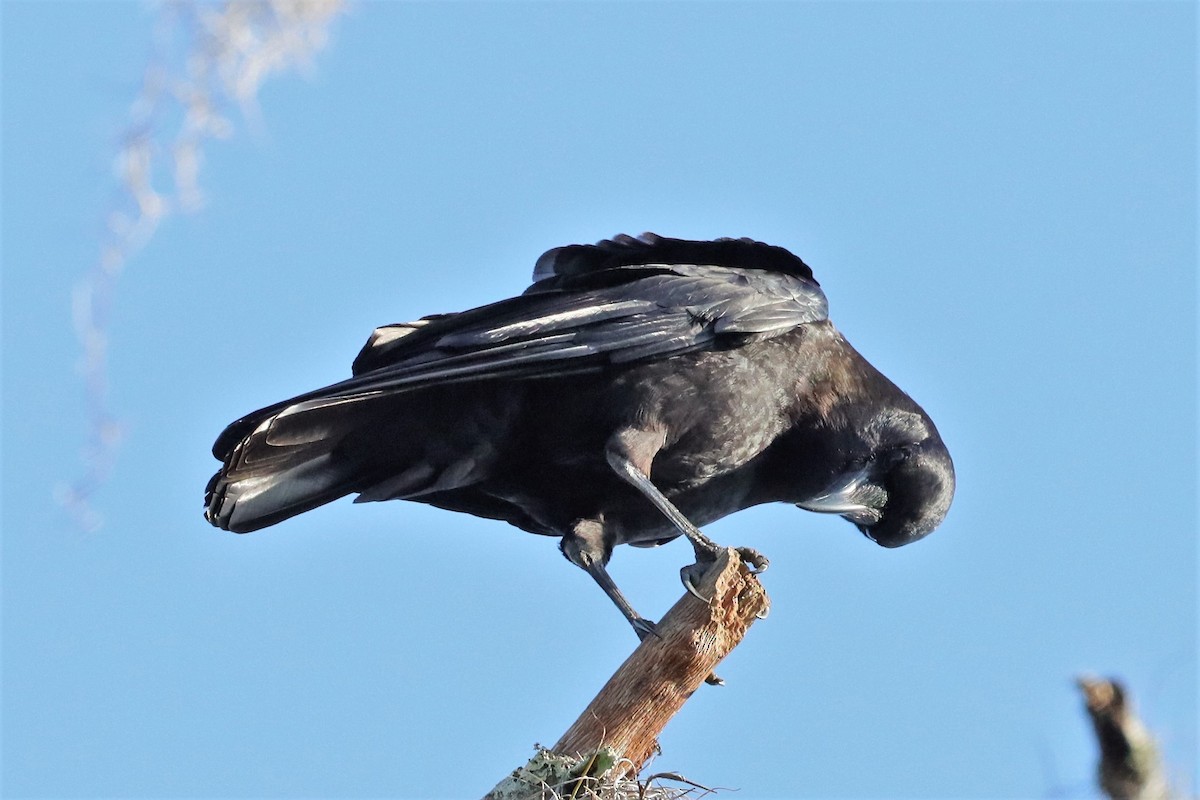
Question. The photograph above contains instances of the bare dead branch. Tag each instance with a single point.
(617, 733)
(1130, 767)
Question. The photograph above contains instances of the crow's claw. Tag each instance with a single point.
(644, 629)
(691, 575)
(757, 561)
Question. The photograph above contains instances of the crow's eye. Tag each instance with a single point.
(898, 454)
(858, 463)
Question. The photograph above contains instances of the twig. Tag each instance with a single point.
(1130, 767)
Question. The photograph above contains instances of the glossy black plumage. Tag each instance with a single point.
(708, 368)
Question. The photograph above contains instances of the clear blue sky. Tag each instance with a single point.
(999, 200)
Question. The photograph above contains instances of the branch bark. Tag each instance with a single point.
(618, 731)
(1130, 767)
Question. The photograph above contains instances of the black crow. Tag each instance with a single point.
(639, 388)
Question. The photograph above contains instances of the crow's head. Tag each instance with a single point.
(900, 490)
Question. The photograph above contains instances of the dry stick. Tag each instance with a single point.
(1130, 767)
(628, 714)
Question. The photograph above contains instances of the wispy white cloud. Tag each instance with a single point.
(209, 62)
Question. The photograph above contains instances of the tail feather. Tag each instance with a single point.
(293, 456)
(287, 463)
(247, 504)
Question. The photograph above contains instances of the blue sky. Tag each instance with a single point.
(999, 200)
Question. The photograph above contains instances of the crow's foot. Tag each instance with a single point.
(644, 628)
(757, 561)
(691, 575)
(706, 556)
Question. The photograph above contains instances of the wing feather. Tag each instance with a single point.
(588, 311)
(591, 307)
(648, 317)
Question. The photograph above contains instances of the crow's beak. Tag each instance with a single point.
(852, 495)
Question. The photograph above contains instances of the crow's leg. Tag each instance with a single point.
(587, 548)
(630, 453)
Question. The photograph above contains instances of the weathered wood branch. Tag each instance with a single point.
(654, 683)
(618, 732)
(1130, 767)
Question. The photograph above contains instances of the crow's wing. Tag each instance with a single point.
(565, 264)
(585, 311)
(617, 315)
(591, 308)
(590, 291)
